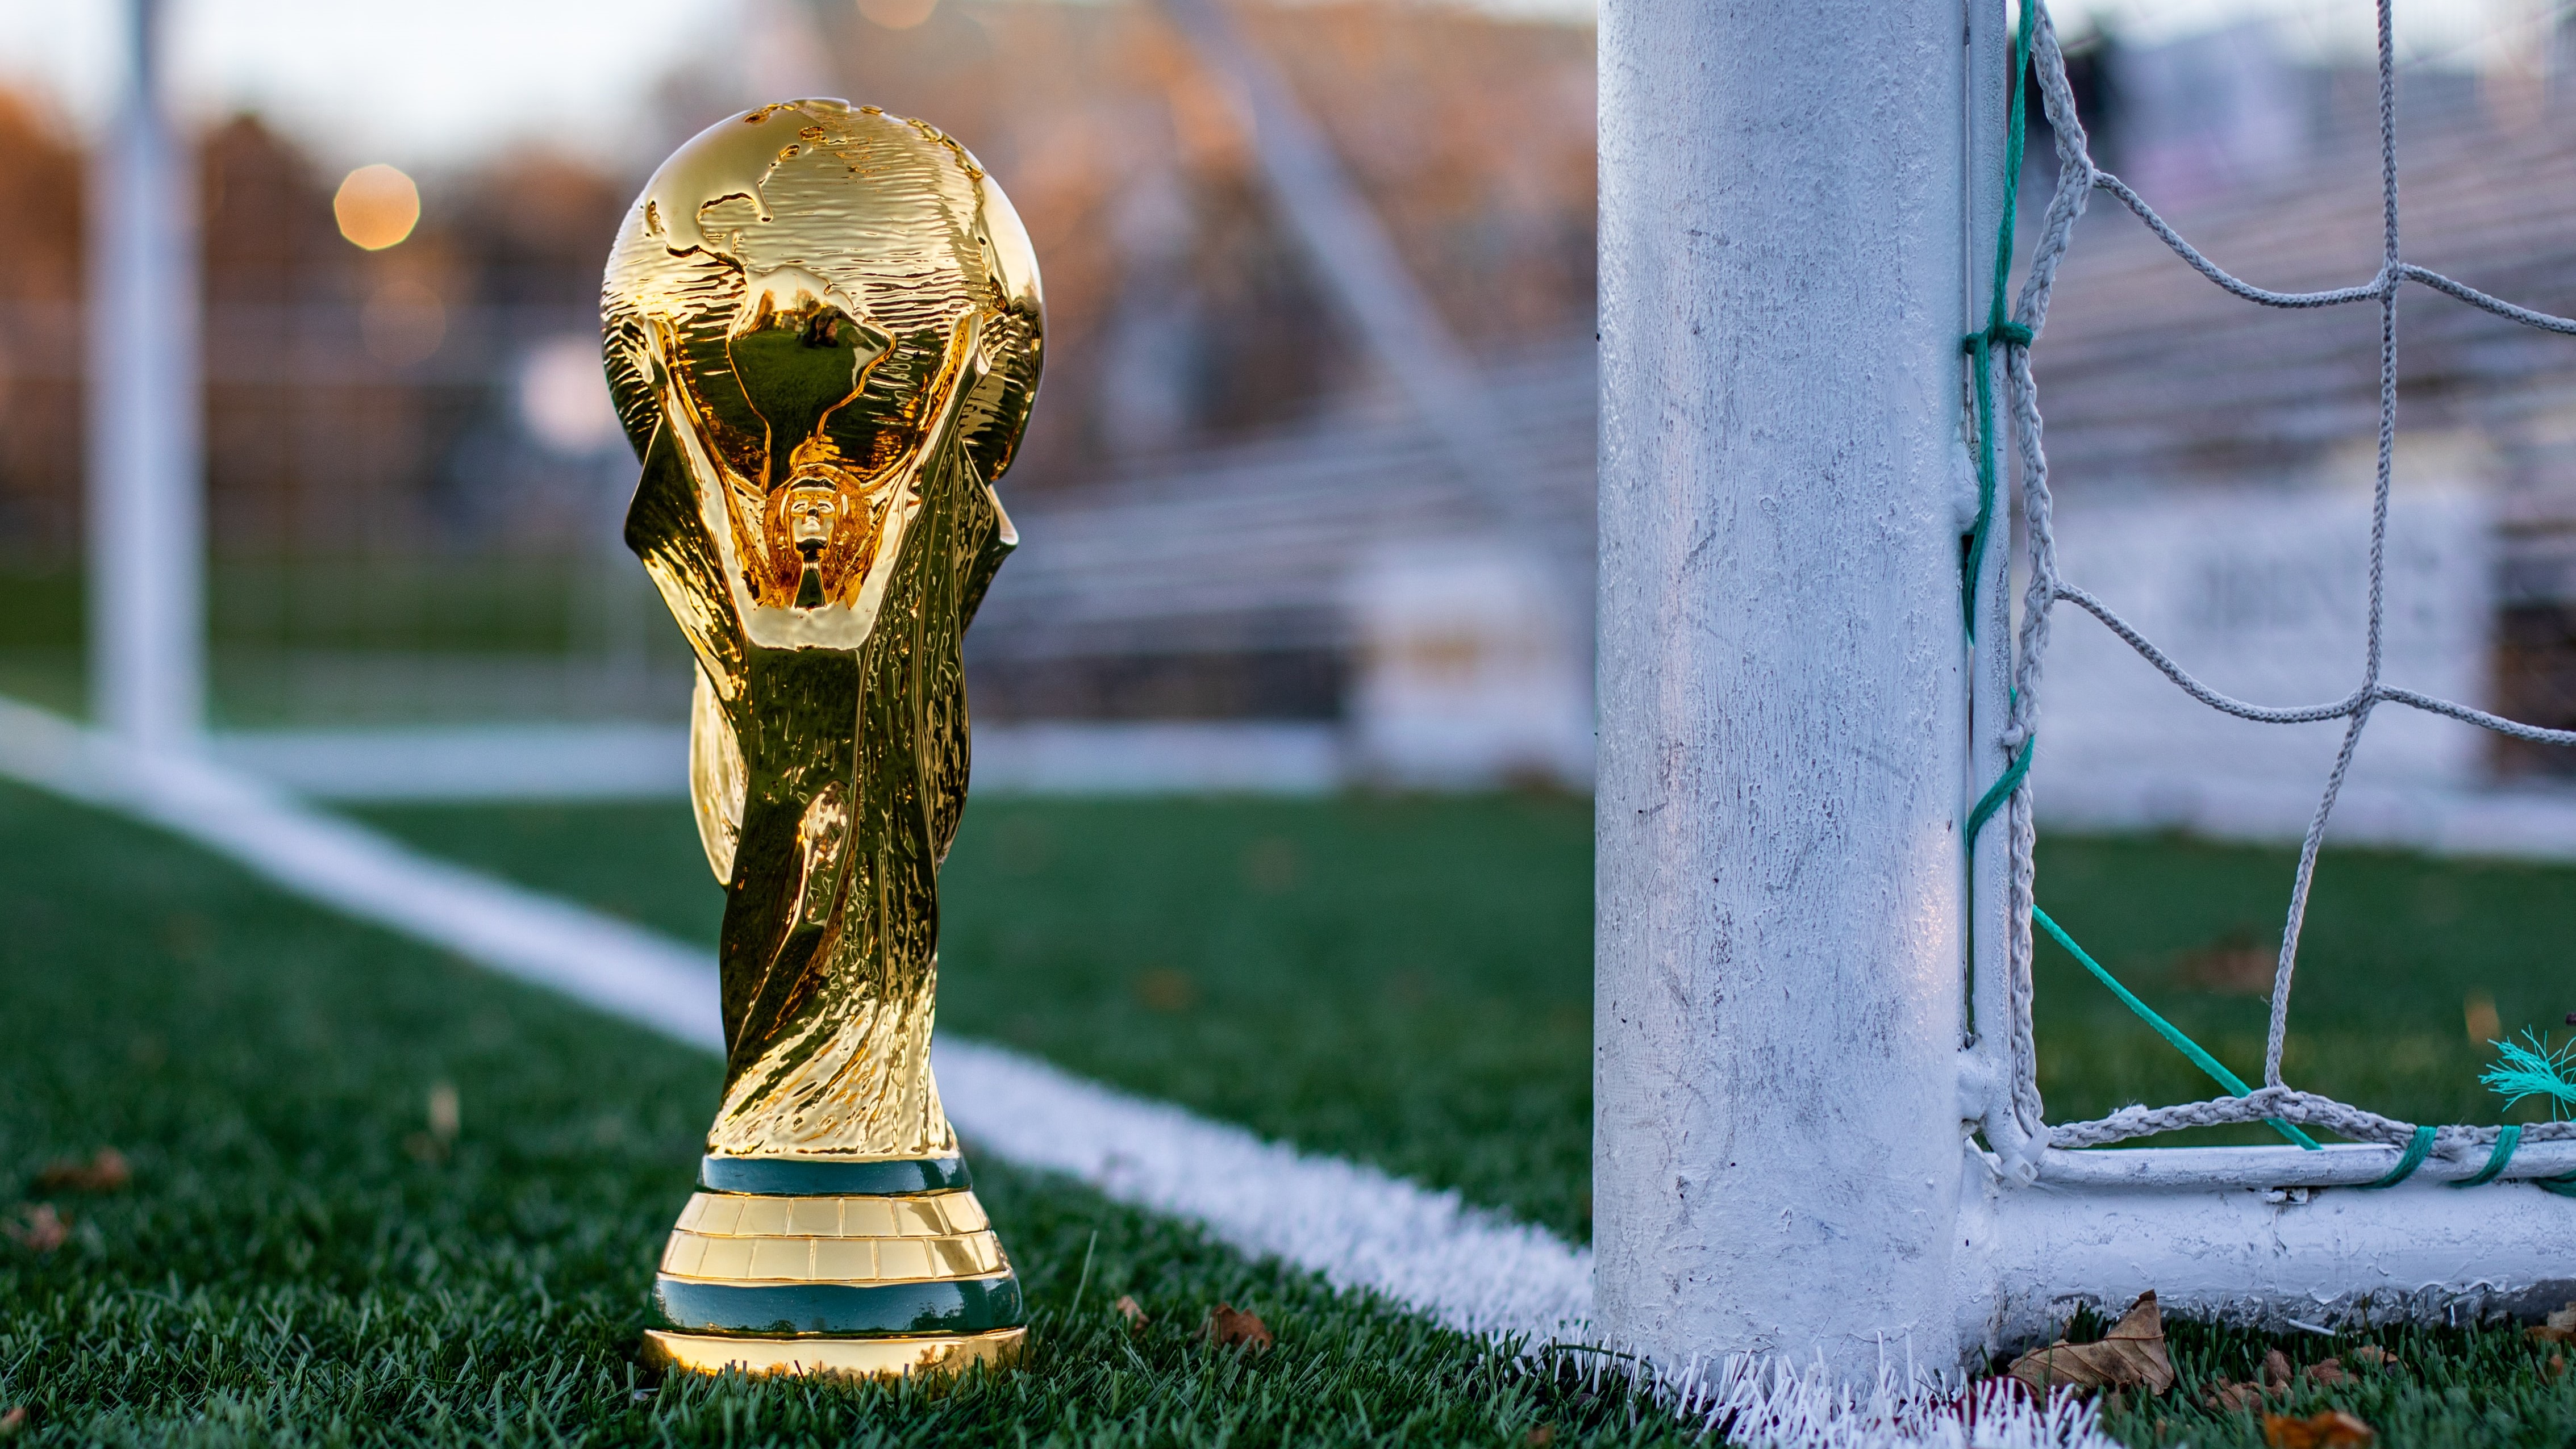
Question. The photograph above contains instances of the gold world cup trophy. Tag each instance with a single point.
(822, 330)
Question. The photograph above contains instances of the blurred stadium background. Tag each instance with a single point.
(1252, 560)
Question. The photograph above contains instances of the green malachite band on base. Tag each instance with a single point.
(939, 1305)
(823, 1177)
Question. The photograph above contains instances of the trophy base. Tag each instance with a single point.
(866, 1269)
(900, 1357)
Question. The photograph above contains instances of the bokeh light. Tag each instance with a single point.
(377, 206)
(897, 14)
(563, 396)
(403, 322)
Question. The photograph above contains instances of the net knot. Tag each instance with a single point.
(2009, 334)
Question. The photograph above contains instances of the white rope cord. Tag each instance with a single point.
(2077, 179)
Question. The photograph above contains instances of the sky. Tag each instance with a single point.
(429, 83)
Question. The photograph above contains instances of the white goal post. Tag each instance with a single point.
(146, 493)
(1806, 1139)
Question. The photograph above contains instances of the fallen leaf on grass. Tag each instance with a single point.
(1228, 1325)
(1539, 1436)
(39, 1228)
(2333, 1429)
(2558, 1365)
(13, 1421)
(2560, 1328)
(2132, 1353)
(106, 1171)
(2235, 966)
(2278, 1377)
(1134, 1314)
(444, 1117)
(2231, 1397)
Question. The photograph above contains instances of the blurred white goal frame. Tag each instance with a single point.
(1806, 1140)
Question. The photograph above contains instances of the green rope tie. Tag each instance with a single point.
(2000, 791)
(2564, 1186)
(2166, 1029)
(2506, 1141)
(2419, 1147)
(1997, 333)
(1999, 328)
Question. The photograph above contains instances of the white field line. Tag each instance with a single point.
(1352, 1225)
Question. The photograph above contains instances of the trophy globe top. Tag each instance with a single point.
(814, 297)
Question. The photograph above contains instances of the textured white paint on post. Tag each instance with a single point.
(2420, 1252)
(146, 507)
(1781, 887)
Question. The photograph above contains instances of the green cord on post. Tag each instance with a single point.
(2506, 1141)
(1998, 328)
(2000, 791)
(2166, 1029)
(2418, 1147)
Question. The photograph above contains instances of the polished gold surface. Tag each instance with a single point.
(830, 1260)
(739, 1238)
(823, 331)
(930, 1215)
(858, 1357)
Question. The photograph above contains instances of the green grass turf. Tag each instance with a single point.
(285, 1270)
(2454, 1390)
(1366, 976)
(1402, 980)
(2397, 947)
(1409, 980)
(297, 1261)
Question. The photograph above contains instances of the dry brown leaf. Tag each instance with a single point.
(2558, 1365)
(2132, 1353)
(2235, 966)
(2232, 1397)
(106, 1171)
(2560, 1327)
(2378, 1358)
(1228, 1325)
(1130, 1310)
(39, 1228)
(1160, 988)
(2333, 1429)
(1539, 1437)
(2326, 1371)
(2276, 1370)
(13, 1421)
